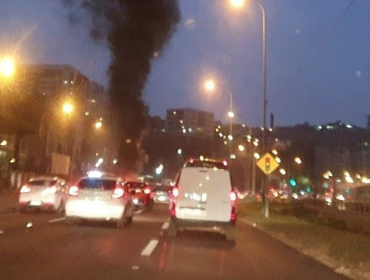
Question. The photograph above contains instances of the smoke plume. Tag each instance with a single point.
(136, 31)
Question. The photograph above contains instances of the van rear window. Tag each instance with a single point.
(207, 164)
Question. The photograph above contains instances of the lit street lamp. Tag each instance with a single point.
(239, 4)
(7, 67)
(210, 85)
(67, 108)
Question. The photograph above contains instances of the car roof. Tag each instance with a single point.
(46, 178)
(104, 177)
(206, 163)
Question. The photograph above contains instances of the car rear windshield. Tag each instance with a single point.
(103, 184)
(42, 183)
(206, 164)
(135, 185)
(162, 188)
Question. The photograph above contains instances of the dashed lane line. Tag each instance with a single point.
(148, 250)
(57, 220)
(165, 226)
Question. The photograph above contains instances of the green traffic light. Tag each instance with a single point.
(293, 182)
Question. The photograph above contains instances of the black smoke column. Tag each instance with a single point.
(136, 31)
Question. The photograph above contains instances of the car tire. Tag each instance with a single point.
(150, 207)
(70, 221)
(172, 229)
(60, 208)
(128, 221)
(121, 222)
(22, 209)
(230, 234)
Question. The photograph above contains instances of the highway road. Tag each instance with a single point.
(37, 246)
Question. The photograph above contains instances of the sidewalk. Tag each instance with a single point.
(8, 200)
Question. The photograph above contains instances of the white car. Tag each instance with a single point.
(100, 197)
(47, 193)
(203, 198)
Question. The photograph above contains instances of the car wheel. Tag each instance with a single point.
(70, 221)
(128, 220)
(230, 234)
(172, 229)
(60, 208)
(121, 222)
(150, 207)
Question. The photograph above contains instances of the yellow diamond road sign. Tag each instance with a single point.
(267, 164)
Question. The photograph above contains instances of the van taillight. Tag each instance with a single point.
(233, 196)
(73, 191)
(233, 215)
(25, 189)
(173, 211)
(118, 193)
(175, 192)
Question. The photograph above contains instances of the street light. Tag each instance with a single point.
(98, 124)
(44, 129)
(210, 85)
(67, 108)
(7, 67)
(239, 4)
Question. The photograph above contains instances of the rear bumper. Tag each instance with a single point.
(39, 201)
(94, 211)
(199, 224)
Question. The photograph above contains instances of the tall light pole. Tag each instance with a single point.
(210, 85)
(238, 4)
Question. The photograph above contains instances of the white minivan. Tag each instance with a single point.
(203, 198)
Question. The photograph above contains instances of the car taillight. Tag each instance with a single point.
(147, 190)
(73, 191)
(175, 192)
(118, 193)
(25, 189)
(51, 190)
(233, 196)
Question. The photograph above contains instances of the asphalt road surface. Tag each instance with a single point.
(42, 246)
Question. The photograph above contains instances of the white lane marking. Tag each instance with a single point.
(165, 225)
(148, 250)
(1, 231)
(57, 220)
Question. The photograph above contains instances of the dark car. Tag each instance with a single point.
(142, 195)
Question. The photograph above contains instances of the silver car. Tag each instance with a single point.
(46, 193)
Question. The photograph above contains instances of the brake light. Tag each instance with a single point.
(25, 189)
(118, 193)
(73, 191)
(147, 190)
(175, 192)
(233, 196)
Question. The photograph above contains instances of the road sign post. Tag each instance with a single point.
(267, 164)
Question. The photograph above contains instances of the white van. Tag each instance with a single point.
(203, 198)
